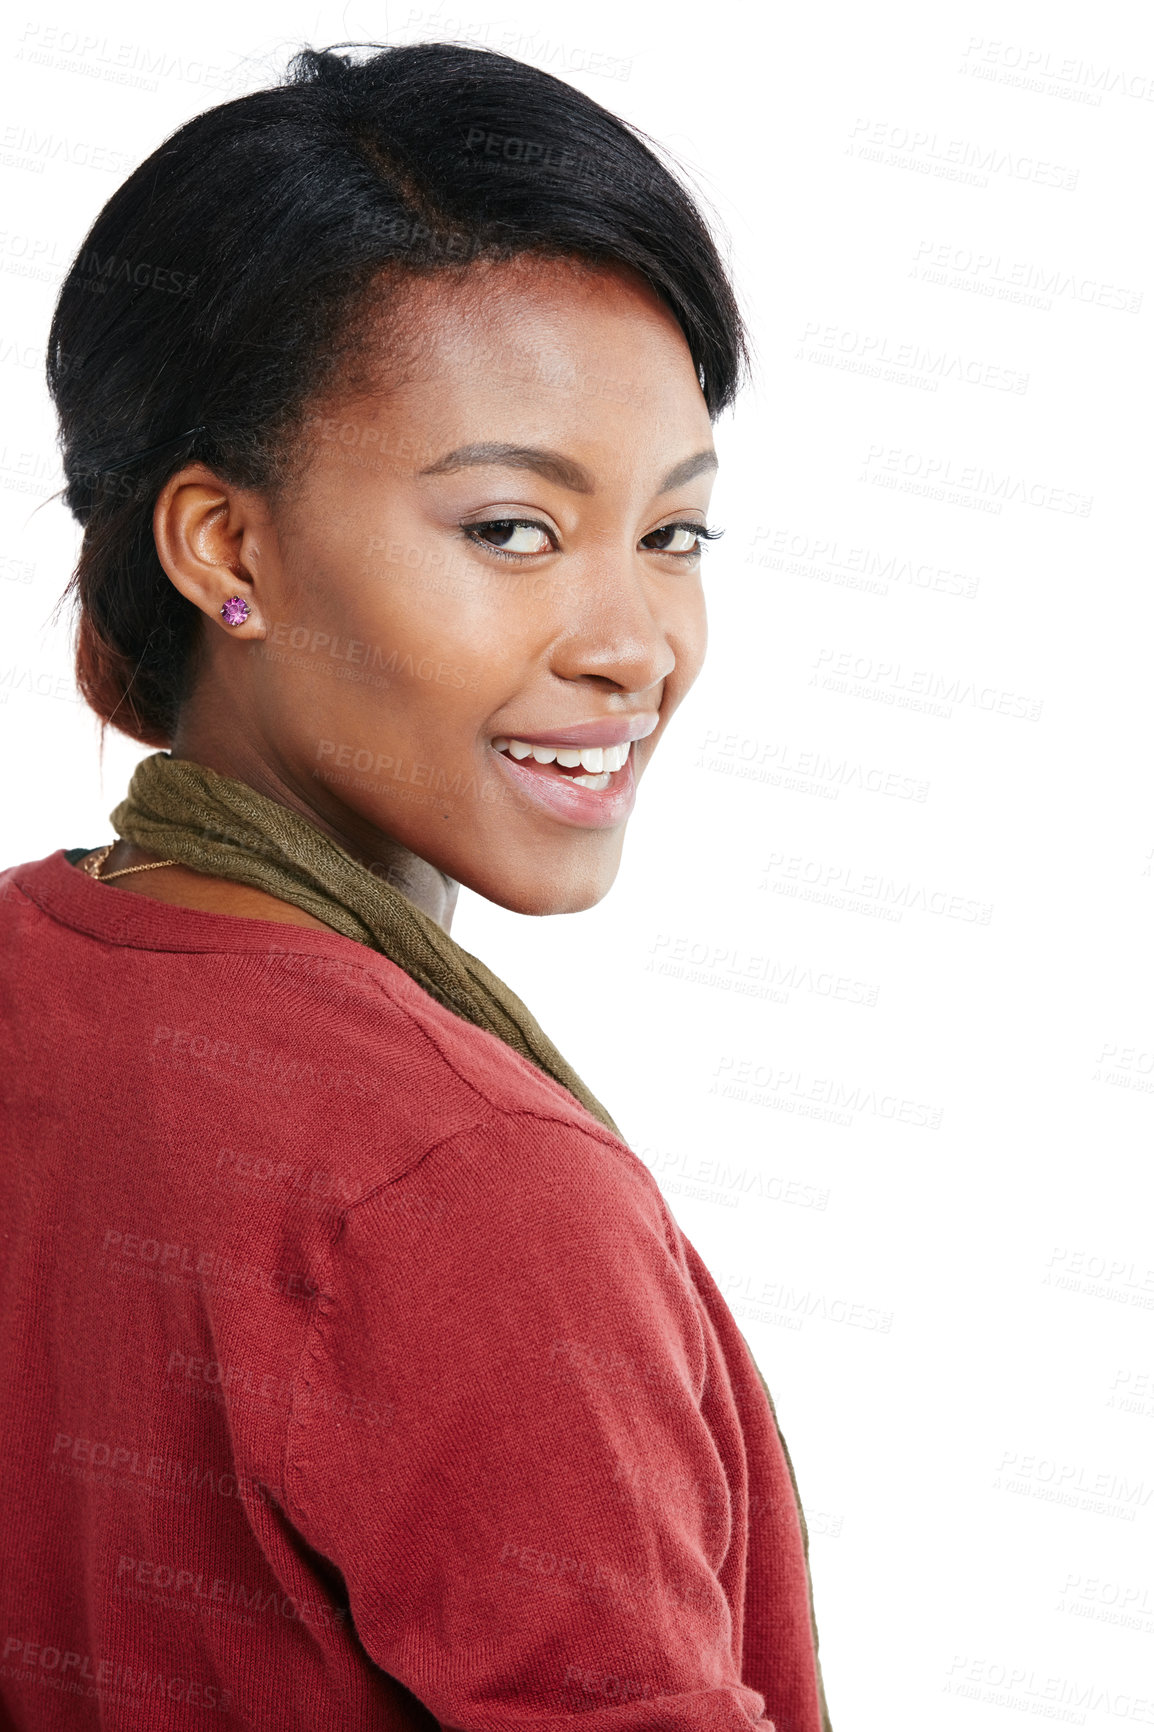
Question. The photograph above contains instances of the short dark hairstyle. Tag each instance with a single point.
(219, 290)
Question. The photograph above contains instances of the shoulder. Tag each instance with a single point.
(520, 1221)
(287, 1038)
(459, 1081)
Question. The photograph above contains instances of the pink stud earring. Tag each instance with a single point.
(235, 610)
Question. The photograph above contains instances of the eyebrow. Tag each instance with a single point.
(554, 467)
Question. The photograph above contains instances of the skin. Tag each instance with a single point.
(366, 551)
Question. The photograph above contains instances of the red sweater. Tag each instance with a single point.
(353, 1375)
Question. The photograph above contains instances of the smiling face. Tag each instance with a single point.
(496, 549)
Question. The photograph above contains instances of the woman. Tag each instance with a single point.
(357, 1374)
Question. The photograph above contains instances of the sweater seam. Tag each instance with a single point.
(312, 1342)
(498, 1114)
(417, 1161)
(595, 1129)
(675, 1243)
(295, 1509)
(325, 1305)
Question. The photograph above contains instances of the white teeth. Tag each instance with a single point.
(599, 761)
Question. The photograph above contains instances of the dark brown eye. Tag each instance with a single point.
(512, 535)
(674, 536)
(681, 538)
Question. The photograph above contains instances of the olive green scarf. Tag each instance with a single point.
(225, 829)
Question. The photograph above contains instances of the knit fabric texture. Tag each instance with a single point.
(353, 1374)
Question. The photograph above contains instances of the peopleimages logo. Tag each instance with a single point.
(1047, 1694)
(220, 1591)
(892, 682)
(76, 1674)
(787, 1088)
(702, 962)
(284, 634)
(847, 887)
(781, 764)
(1020, 280)
(921, 471)
(876, 355)
(961, 159)
(849, 566)
(1032, 68)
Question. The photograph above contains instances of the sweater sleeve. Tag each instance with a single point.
(512, 1437)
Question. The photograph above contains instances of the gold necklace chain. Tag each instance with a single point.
(93, 862)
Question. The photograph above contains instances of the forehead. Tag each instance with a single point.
(558, 341)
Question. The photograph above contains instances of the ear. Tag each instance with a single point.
(209, 539)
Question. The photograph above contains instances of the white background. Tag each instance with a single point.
(926, 1191)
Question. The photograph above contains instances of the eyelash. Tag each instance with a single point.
(472, 534)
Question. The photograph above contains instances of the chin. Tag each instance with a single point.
(551, 893)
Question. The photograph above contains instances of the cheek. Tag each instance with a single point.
(688, 637)
(406, 630)
(431, 606)
(428, 589)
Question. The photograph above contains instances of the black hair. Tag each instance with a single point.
(218, 292)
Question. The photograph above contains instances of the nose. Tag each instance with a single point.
(621, 626)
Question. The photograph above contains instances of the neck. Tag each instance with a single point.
(432, 890)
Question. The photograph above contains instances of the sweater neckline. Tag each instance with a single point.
(119, 916)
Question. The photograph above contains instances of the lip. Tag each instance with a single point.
(566, 801)
(600, 731)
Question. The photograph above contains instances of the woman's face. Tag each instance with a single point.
(498, 546)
